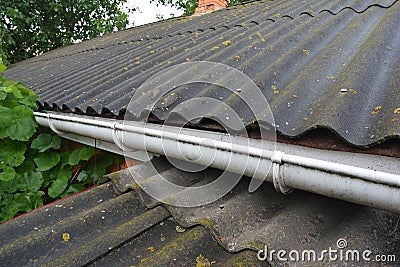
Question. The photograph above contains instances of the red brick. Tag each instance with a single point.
(210, 5)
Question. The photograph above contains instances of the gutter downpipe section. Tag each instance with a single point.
(354, 184)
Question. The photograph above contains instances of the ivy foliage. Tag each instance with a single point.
(34, 170)
(31, 27)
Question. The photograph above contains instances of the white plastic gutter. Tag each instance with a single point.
(361, 185)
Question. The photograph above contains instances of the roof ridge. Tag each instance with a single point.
(272, 19)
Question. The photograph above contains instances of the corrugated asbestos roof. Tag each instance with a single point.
(100, 227)
(320, 64)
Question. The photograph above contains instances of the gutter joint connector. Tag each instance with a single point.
(277, 173)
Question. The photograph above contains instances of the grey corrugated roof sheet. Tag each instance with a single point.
(102, 228)
(307, 50)
(106, 228)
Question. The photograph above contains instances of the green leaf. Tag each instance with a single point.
(59, 185)
(12, 152)
(46, 141)
(82, 176)
(98, 169)
(26, 166)
(17, 123)
(11, 210)
(77, 155)
(2, 67)
(28, 201)
(3, 95)
(50, 176)
(30, 182)
(6, 199)
(11, 87)
(75, 188)
(7, 173)
(46, 161)
(9, 186)
(65, 158)
(6, 119)
(29, 98)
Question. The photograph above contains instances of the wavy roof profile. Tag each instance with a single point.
(320, 64)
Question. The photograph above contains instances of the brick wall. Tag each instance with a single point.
(210, 5)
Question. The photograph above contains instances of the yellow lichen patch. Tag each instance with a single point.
(149, 47)
(261, 37)
(137, 58)
(66, 237)
(351, 90)
(137, 62)
(152, 51)
(126, 68)
(394, 120)
(78, 96)
(396, 111)
(187, 59)
(295, 96)
(277, 15)
(237, 57)
(227, 42)
(187, 49)
(180, 229)
(273, 87)
(151, 249)
(202, 261)
(144, 260)
(214, 48)
(143, 93)
(306, 52)
(330, 76)
(376, 110)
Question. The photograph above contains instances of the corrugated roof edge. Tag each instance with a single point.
(320, 137)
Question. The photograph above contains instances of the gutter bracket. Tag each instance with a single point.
(138, 155)
(116, 139)
(52, 127)
(277, 173)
